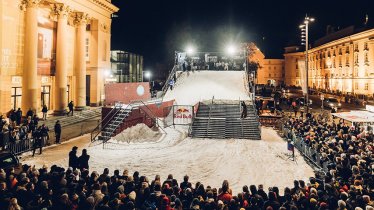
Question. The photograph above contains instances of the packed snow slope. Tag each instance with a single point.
(192, 87)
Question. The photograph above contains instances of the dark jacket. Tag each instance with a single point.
(58, 128)
(83, 161)
(73, 159)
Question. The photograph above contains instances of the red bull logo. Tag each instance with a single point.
(182, 112)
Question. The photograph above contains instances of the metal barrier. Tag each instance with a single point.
(308, 152)
(21, 146)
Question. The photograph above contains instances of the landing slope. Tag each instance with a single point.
(193, 87)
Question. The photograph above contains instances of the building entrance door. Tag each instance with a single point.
(88, 90)
(46, 97)
(16, 96)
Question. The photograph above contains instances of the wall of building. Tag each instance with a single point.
(12, 35)
(344, 65)
(271, 71)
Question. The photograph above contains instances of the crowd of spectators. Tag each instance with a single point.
(18, 128)
(344, 187)
(348, 153)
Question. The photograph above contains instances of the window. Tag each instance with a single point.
(297, 66)
(269, 75)
(366, 86)
(356, 86)
(104, 51)
(87, 52)
(347, 61)
(356, 59)
(347, 50)
(16, 95)
(356, 47)
(340, 62)
(366, 58)
(366, 46)
(297, 73)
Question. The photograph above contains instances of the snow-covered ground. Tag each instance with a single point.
(137, 134)
(196, 86)
(241, 162)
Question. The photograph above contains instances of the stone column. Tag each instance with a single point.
(61, 77)
(30, 84)
(80, 20)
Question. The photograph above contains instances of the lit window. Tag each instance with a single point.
(366, 86)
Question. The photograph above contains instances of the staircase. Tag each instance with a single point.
(223, 121)
(109, 125)
(79, 116)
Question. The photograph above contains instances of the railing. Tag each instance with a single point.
(128, 107)
(193, 118)
(210, 111)
(21, 146)
(308, 152)
(99, 127)
(153, 117)
(171, 75)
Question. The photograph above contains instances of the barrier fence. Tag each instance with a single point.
(19, 146)
(308, 152)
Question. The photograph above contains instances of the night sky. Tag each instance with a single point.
(156, 28)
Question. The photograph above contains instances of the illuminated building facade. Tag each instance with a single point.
(271, 71)
(342, 62)
(53, 51)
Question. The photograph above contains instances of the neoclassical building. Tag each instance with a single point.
(340, 62)
(52, 52)
(271, 71)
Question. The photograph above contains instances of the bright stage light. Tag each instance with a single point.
(190, 50)
(231, 50)
(148, 74)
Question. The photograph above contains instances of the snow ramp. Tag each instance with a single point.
(192, 87)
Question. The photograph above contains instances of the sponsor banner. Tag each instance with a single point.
(303, 84)
(182, 115)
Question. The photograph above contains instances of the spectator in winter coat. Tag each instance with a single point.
(73, 158)
(29, 113)
(83, 160)
(18, 116)
(58, 131)
(44, 110)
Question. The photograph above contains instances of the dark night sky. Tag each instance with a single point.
(156, 28)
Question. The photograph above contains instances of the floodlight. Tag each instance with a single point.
(190, 50)
(231, 50)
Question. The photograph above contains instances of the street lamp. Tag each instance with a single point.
(305, 41)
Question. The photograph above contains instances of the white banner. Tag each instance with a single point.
(182, 115)
(303, 84)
